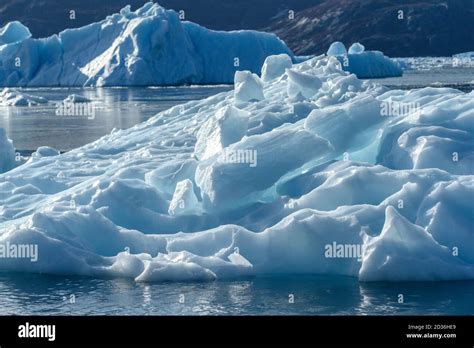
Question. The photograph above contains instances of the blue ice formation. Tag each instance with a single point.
(150, 46)
(310, 170)
(364, 64)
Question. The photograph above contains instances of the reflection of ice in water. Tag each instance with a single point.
(146, 295)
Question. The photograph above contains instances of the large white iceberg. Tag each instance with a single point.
(150, 46)
(351, 179)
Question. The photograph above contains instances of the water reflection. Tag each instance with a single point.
(31, 127)
(313, 295)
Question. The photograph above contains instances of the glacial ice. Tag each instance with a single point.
(275, 66)
(224, 188)
(13, 32)
(301, 84)
(150, 46)
(228, 126)
(356, 47)
(337, 48)
(14, 97)
(248, 87)
(365, 64)
(7, 152)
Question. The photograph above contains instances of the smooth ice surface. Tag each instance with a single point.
(150, 46)
(351, 179)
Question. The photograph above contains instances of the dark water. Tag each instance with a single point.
(22, 294)
(31, 127)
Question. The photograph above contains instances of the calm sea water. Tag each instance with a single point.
(31, 127)
(459, 78)
(23, 294)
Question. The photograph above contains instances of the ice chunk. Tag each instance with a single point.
(7, 152)
(159, 271)
(337, 49)
(275, 66)
(248, 87)
(75, 98)
(184, 200)
(372, 64)
(168, 174)
(302, 84)
(250, 166)
(406, 252)
(13, 32)
(12, 97)
(44, 151)
(356, 48)
(228, 126)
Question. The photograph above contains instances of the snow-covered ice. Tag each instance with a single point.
(150, 46)
(344, 177)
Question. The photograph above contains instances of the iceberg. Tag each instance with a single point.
(248, 87)
(336, 49)
(149, 46)
(335, 180)
(275, 66)
(365, 64)
(356, 48)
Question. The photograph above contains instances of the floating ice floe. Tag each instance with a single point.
(75, 98)
(147, 47)
(350, 179)
(14, 97)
